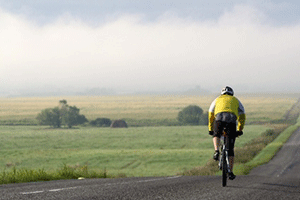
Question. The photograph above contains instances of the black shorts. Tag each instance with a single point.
(231, 131)
(220, 125)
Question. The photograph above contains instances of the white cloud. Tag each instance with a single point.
(238, 48)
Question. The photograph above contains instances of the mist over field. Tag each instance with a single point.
(114, 47)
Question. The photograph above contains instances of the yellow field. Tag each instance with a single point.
(258, 107)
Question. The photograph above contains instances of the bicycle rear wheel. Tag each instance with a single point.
(224, 170)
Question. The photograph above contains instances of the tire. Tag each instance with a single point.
(224, 162)
(224, 170)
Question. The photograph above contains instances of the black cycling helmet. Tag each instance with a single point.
(227, 90)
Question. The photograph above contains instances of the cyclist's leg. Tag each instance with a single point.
(216, 141)
(231, 152)
(231, 162)
(218, 128)
(232, 134)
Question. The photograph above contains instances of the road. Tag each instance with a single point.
(279, 179)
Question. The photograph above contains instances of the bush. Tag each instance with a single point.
(101, 122)
(190, 115)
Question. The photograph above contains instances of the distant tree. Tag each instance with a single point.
(64, 114)
(63, 107)
(204, 119)
(101, 122)
(190, 115)
(63, 102)
(72, 117)
(50, 116)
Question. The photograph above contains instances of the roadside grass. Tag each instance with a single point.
(34, 175)
(266, 154)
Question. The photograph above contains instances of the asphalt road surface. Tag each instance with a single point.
(279, 179)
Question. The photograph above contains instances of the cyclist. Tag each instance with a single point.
(225, 111)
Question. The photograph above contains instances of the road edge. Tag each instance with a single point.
(268, 152)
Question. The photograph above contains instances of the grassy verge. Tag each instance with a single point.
(15, 175)
(267, 153)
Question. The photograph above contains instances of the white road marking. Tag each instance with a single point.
(53, 190)
(173, 177)
(34, 192)
(60, 189)
(150, 180)
(158, 179)
(71, 188)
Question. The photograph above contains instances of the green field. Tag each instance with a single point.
(135, 151)
(151, 151)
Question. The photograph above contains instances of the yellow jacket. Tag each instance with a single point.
(227, 103)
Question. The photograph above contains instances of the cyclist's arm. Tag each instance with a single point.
(241, 117)
(211, 118)
(241, 122)
(211, 115)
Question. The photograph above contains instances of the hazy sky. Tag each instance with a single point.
(134, 45)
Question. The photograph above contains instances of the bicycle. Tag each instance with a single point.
(224, 158)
